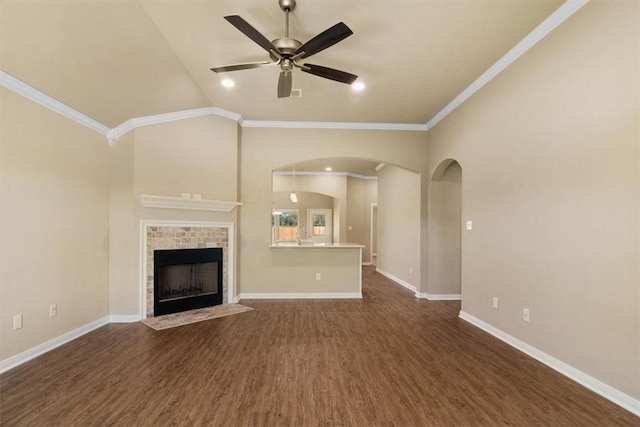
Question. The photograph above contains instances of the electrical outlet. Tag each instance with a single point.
(410, 270)
(53, 310)
(318, 276)
(495, 303)
(525, 314)
(17, 322)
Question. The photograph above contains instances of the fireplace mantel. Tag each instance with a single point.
(168, 202)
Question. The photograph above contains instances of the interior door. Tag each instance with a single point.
(319, 225)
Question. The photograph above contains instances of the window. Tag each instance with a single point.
(318, 224)
(286, 225)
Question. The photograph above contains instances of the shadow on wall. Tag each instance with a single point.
(445, 229)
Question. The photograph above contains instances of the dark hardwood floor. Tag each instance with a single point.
(386, 360)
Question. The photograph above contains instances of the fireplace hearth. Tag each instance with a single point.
(186, 279)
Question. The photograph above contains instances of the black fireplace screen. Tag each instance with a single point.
(185, 279)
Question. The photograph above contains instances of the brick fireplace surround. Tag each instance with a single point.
(180, 235)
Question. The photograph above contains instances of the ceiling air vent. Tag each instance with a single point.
(296, 93)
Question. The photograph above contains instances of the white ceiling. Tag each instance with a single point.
(116, 60)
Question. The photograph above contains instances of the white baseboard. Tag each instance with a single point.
(604, 390)
(397, 280)
(124, 318)
(301, 295)
(439, 297)
(38, 350)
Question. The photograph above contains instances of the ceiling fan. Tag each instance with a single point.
(287, 52)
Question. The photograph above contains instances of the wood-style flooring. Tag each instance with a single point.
(387, 360)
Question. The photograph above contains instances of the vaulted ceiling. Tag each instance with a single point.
(116, 60)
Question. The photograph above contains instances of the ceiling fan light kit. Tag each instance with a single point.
(286, 52)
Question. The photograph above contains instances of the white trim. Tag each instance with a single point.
(371, 230)
(43, 348)
(333, 125)
(548, 25)
(322, 173)
(366, 263)
(112, 135)
(604, 390)
(168, 202)
(144, 224)
(137, 122)
(124, 318)
(301, 295)
(397, 280)
(29, 92)
(360, 275)
(439, 297)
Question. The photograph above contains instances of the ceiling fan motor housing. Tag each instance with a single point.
(286, 46)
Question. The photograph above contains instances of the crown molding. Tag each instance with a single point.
(333, 125)
(131, 124)
(168, 202)
(548, 25)
(320, 173)
(29, 92)
(112, 135)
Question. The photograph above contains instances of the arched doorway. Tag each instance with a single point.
(445, 231)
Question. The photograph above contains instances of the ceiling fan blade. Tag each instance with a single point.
(237, 67)
(325, 39)
(284, 84)
(251, 32)
(329, 73)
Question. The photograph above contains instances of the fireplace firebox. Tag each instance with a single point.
(186, 279)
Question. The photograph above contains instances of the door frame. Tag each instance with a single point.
(328, 213)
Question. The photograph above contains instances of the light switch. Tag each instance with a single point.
(469, 225)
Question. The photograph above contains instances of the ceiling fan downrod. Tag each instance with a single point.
(287, 6)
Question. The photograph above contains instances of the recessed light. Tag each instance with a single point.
(358, 86)
(228, 83)
(328, 169)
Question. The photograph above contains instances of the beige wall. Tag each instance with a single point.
(445, 231)
(549, 151)
(263, 150)
(54, 224)
(361, 193)
(198, 156)
(352, 198)
(123, 237)
(306, 200)
(399, 224)
(330, 185)
(339, 271)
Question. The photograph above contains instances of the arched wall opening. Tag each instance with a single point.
(390, 192)
(445, 231)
